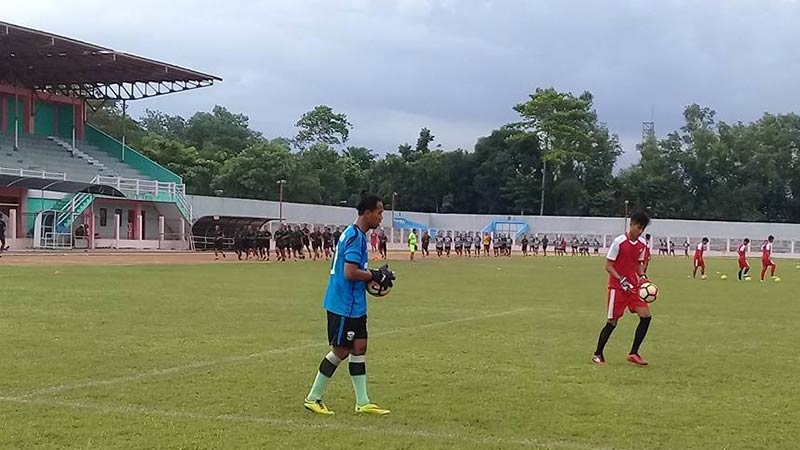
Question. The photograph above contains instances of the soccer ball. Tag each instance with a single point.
(374, 289)
(703, 277)
(723, 277)
(648, 292)
(777, 279)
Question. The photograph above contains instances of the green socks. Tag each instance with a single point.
(358, 373)
(326, 369)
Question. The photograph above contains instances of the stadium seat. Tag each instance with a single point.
(41, 153)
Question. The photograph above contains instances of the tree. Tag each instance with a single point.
(322, 163)
(407, 152)
(322, 126)
(197, 172)
(220, 130)
(107, 116)
(563, 123)
(363, 157)
(508, 170)
(157, 122)
(253, 173)
(424, 139)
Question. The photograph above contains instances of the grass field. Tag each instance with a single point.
(469, 354)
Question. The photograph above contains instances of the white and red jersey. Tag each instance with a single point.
(766, 251)
(627, 255)
(742, 251)
(646, 250)
(700, 250)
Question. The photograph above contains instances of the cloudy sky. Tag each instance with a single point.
(457, 67)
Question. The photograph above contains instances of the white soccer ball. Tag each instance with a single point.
(648, 292)
(374, 289)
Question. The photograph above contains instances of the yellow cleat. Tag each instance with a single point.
(317, 406)
(372, 408)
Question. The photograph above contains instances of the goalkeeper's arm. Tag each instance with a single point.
(353, 273)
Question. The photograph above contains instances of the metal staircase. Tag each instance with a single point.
(53, 227)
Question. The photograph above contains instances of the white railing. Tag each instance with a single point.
(139, 188)
(33, 173)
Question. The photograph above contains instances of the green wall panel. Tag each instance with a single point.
(44, 119)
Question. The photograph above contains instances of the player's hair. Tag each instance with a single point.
(640, 218)
(647, 236)
(771, 238)
(705, 239)
(747, 240)
(368, 203)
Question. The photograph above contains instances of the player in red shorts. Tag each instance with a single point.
(699, 261)
(625, 267)
(766, 258)
(744, 266)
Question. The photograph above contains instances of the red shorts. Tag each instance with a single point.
(767, 262)
(618, 300)
(700, 262)
(743, 263)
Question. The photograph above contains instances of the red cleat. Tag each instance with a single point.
(636, 359)
(598, 359)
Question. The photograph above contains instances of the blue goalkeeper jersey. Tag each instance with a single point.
(344, 297)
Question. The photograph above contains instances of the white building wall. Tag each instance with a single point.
(724, 235)
(292, 212)
(151, 213)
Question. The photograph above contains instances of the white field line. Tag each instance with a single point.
(56, 389)
(388, 430)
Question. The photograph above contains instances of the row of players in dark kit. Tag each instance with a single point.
(290, 242)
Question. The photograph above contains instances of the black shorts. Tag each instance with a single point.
(217, 244)
(343, 330)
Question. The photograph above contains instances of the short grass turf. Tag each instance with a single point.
(469, 354)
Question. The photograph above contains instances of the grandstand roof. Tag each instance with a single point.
(48, 62)
(49, 184)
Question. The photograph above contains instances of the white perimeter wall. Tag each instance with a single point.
(724, 235)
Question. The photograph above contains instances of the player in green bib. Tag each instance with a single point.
(412, 243)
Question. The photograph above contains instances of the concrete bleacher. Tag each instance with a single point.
(42, 153)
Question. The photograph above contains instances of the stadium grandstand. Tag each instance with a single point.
(65, 183)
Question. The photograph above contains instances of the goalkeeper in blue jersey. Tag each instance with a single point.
(346, 306)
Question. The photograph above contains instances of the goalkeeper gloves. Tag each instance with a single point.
(383, 276)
